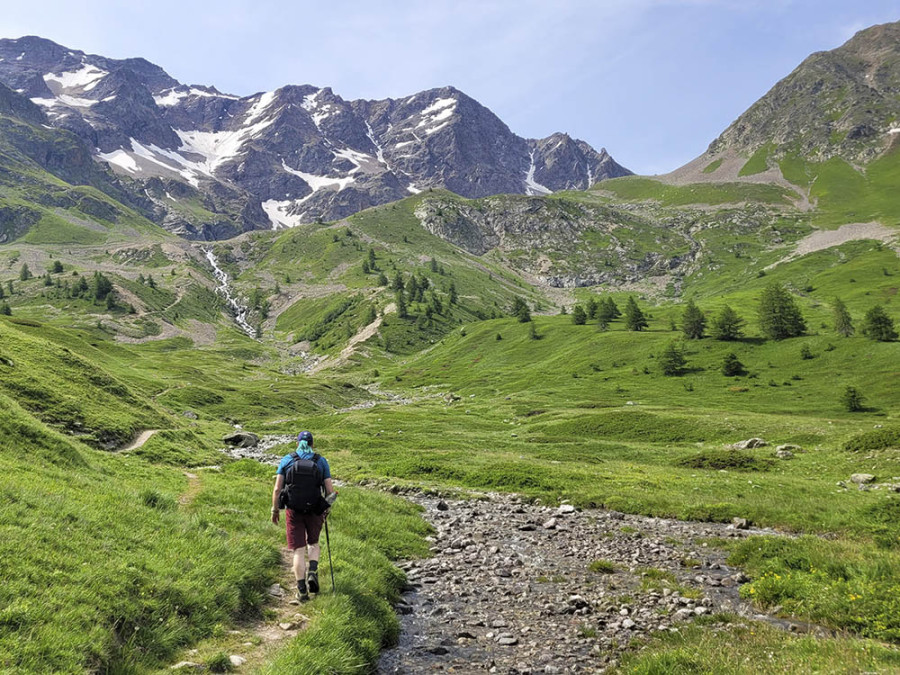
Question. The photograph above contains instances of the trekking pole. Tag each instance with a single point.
(330, 564)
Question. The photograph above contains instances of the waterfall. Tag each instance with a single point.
(239, 311)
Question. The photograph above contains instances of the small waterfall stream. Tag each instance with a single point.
(239, 311)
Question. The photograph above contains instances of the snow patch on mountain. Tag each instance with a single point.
(439, 104)
(318, 111)
(170, 97)
(217, 147)
(316, 182)
(278, 215)
(85, 78)
(121, 159)
(532, 187)
(64, 99)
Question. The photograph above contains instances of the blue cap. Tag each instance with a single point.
(305, 436)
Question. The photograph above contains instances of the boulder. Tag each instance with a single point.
(862, 478)
(237, 661)
(749, 444)
(740, 523)
(241, 439)
(784, 454)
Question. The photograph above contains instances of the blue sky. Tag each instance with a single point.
(653, 81)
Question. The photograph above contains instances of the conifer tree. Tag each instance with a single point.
(592, 308)
(520, 310)
(579, 318)
(452, 293)
(877, 325)
(731, 366)
(852, 399)
(693, 322)
(24, 273)
(843, 326)
(5, 309)
(371, 315)
(672, 360)
(634, 317)
(779, 315)
(613, 308)
(727, 325)
(605, 314)
(401, 305)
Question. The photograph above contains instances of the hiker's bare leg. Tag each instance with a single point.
(314, 551)
(300, 563)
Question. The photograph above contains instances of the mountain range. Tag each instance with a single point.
(209, 165)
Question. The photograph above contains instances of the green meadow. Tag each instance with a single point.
(127, 561)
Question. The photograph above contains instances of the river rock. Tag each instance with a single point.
(241, 439)
(503, 593)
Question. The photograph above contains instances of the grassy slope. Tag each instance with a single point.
(845, 194)
(123, 574)
(638, 188)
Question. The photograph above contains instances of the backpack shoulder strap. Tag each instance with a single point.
(315, 458)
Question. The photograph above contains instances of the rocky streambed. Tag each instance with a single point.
(520, 588)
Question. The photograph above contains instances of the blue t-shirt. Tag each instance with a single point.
(287, 460)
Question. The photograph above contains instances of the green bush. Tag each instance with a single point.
(735, 460)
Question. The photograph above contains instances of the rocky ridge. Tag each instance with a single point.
(216, 164)
(841, 102)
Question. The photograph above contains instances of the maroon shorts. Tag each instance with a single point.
(302, 528)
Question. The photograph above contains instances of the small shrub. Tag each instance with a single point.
(220, 663)
(806, 353)
(734, 460)
(156, 500)
(731, 366)
(603, 567)
(878, 439)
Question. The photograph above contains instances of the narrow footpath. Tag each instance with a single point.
(515, 588)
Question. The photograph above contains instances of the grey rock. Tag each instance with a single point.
(241, 439)
(784, 454)
(750, 444)
(862, 478)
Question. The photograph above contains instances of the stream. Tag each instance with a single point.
(238, 311)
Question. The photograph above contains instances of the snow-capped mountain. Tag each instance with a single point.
(216, 164)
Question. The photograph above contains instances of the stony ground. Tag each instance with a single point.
(517, 588)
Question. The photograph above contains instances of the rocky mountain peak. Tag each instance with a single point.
(842, 102)
(301, 152)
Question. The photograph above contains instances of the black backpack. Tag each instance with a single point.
(303, 481)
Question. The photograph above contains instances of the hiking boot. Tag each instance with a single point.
(302, 595)
(313, 580)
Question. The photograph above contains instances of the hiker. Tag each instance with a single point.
(298, 489)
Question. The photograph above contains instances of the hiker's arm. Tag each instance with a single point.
(279, 483)
(329, 486)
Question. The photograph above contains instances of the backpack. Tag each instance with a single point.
(302, 491)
